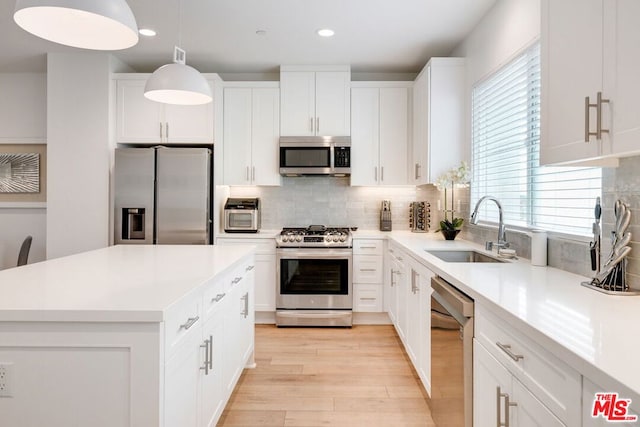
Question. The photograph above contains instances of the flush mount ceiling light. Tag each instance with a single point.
(178, 83)
(147, 32)
(325, 32)
(87, 24)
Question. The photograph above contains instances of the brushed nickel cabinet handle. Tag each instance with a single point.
(189, 323)
(253, 173)
(367, 299)
(207, 363)
(318, 125)
(599, 102)
(160, 123)
(381, 173)
(249, 268)
(311, 124)
(368, 269)
(370, 247)
(507, 349)
(247, 173)
(166, 126)
(587, 131)
(218, 297)
(210, 351)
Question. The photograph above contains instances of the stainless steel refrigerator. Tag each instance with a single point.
(163, 196)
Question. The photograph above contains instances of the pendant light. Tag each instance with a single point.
(87, 24)
(178, 83)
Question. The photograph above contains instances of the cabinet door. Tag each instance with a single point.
(365, 135)
(402, 293)
(418, 164)
(413, 316)
(189, 123)
(212, 386)
(138, 119)
(390, 299)
(621, 71)
(529, 412)
(182, 375)
(265, 284)
(297, 103)
(424, 334)
(572, 57)
(394, 128)
(265, 130)
(332, 103)
(488, 376)
(237, 136)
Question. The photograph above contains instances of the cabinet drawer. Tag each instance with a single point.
(556, 384)
(367, 298)
(368, 247)
(183, 319)
(367, 269)
(214, 296)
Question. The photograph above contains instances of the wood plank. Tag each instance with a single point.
(328, 377)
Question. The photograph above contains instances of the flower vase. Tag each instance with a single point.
(450, 234)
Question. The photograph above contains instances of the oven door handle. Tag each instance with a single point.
(314, 254)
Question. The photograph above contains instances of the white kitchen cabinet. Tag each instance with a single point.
(380, 122)
(140, 120)
(596, 54)
(251, 131)
(553, 385)
(367, 275)
(396, 295)
(265, 271)
(314, 101)
(438, 119)
(497, 393)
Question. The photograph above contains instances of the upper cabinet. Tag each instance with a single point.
(140, 120)
(438, 119)
(590, 85)
(251, 124)
(315, 101)
(380, 120)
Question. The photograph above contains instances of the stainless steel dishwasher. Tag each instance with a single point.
(451, 355)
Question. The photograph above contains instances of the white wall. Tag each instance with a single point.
(22, 121)
(78, 150)
(509, 27)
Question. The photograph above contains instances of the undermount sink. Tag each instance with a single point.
(463, 256)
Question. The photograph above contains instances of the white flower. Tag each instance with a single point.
(455, 176)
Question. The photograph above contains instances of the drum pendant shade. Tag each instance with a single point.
(178, 84)
(87, 24)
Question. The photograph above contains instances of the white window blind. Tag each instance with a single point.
(506, 161)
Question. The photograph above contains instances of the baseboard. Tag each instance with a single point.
(359, 318)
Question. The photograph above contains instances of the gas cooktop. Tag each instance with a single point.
(314, 236)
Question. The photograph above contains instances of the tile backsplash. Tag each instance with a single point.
(303, 201)
(331, 201)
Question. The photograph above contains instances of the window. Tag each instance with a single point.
(506, 161)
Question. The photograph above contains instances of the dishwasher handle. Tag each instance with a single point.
(457, 299)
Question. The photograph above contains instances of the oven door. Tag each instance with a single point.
(311, 279)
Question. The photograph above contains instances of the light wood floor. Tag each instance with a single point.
(328, 377)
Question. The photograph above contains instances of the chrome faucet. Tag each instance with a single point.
(502, 240)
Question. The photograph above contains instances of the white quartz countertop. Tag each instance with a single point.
(261, 234)
(118, 283)
(595, 333)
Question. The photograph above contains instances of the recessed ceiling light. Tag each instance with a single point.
(326, 32)
(147, 32)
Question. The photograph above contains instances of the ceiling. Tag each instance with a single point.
(373, 36)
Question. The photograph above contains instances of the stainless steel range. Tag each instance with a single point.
(314, 269)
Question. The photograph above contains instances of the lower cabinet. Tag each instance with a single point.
(536, 387)
(500, 399)
(367, 275)
(218, 345)
(408, 300)
(265, 271)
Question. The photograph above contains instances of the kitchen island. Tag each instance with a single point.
(129, 335)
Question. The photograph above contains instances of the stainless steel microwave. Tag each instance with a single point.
(315, 155)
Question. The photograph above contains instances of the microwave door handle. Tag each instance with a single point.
(332, 157)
